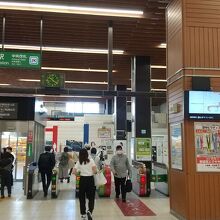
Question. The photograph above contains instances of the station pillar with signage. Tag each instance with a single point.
(141, 114)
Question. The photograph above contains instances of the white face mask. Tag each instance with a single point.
(119, 152)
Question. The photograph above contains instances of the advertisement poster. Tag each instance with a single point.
(104, 132)
(207, 144)
(176, 146)
(143, 149)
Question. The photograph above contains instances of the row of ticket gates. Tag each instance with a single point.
(141, 181)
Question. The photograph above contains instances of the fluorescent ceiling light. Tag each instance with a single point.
(4, 84)
(67, 96)
(162, 45)
(85, 82)
(75, 69)
(158, 67)
(129, 89)
(159, 90)
(70, 9)
(61, 49)
(158, 80)
(29, 80)
(72, 82)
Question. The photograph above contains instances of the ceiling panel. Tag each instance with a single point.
(136, 36)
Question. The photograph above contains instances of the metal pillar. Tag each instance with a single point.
(3, 33)
(110, 55)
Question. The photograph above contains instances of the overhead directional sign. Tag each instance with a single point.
(20, 60)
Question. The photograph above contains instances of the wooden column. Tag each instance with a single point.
(193, 48)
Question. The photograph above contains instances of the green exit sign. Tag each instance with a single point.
(20, 60)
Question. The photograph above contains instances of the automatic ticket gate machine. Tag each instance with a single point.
(139, 177)
(55, 186)
(105, 190)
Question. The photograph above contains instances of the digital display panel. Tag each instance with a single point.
(202, 105)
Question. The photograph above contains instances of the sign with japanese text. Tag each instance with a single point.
(176, 146)
(207, 145)
(8, 110)
(143, 149)
(20, 60)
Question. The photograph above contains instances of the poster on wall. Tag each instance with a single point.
(143, 149)
(104, 132)
(207, 145)
(176, 146)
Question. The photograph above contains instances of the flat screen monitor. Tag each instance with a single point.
(202, 105)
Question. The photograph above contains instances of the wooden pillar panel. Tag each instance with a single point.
(193, 48)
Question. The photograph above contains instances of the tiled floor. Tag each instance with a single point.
(66, 207)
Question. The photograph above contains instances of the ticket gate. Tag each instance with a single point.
(139, 177)
(105, 190)
(55, 185)
(32, 181)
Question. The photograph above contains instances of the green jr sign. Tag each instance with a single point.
(20, 60)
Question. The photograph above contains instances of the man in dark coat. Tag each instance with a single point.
(5, 172)
(46, 164)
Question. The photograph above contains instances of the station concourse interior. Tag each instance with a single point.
(140, 74)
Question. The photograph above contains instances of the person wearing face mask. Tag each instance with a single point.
(121, 169)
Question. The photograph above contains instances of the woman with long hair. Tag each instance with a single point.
(87, 169)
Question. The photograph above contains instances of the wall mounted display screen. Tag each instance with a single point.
(202, 105)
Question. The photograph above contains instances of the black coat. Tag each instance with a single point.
(46, 162)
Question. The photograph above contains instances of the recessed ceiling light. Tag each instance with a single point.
(29, 80)
(4, 84)
(67, 96)
(85, 82)
(61, 49)
(72, 82)
(158, 80)
(162, 45)
(158, 67)
(159, 90)
(21, 6)
(75, 69)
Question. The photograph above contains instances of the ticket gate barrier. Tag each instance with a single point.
(32, 181)
(160, 177)
(139, 179)
(105, 190)
(55, 186)
(77, 184)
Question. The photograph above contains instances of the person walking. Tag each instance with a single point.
(46, 164)
(121, 169)
(5, 172)
(9, 149)
(64, 165)
(87, 168)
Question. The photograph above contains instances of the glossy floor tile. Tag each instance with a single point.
(67, 207)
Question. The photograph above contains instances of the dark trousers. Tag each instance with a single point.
(120, 187)
(5, 181)
(46, 183)
(86, 190)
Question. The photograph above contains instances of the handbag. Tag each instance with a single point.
(128, 185)
(99, 179)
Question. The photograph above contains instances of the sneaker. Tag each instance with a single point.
(89, 215)
(9, 195)
(117, 196)
(2, 196)
(83, 217)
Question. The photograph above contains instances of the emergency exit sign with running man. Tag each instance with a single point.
(20, 60)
